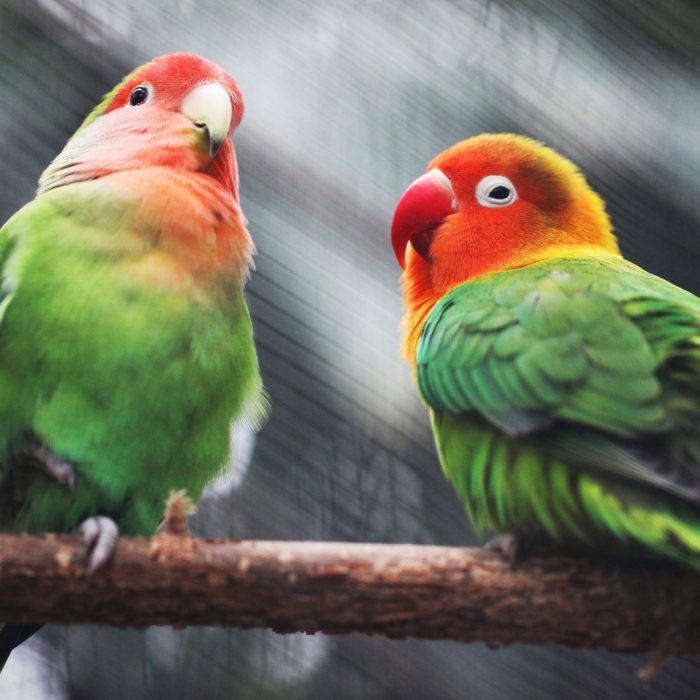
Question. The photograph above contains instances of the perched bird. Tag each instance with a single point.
(126, 347)
(563, 382)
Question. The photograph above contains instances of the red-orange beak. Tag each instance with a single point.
(420, 211)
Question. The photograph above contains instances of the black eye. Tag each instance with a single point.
(139, 95)
(500, 192)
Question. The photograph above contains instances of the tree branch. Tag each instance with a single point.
(394, 590)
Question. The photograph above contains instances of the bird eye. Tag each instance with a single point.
(495, 191)
(139, 95)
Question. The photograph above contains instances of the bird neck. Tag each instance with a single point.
(421, 293)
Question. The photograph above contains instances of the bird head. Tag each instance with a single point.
(492, 203)
(177, 111)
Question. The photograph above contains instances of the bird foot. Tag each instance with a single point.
(54, 466)
(673, 639)
(669, 645)
(100, 535)
(506, 545)
(177, 508)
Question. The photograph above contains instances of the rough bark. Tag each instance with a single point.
(394, 590)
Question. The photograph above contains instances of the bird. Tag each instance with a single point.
(562, 381)
(126, 346)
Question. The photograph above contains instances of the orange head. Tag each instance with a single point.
(491, 203)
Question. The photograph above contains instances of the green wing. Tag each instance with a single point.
(6, 246)
(585, 374)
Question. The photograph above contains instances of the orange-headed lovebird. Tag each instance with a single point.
(563, 382)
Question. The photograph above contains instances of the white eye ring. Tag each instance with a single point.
(495, 185)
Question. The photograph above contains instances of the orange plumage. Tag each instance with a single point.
(556, 215)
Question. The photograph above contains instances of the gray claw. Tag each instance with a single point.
(54, 466)
(101, 535)
(506, 545)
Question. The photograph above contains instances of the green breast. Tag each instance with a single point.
(135, 383)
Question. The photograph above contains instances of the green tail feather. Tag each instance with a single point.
(670, 529)
(509, 485)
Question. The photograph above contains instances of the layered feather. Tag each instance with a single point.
(565, 397)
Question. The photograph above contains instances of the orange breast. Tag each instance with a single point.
(193, 227)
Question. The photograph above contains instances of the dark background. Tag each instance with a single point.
(346, 104)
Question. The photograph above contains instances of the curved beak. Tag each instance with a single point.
(420, 211)
(209, 107)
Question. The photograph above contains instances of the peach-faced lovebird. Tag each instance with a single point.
(125, 342)
(563, 382)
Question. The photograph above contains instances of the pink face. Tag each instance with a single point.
(176, 112)
(163, 84)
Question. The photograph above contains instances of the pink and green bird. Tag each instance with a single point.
(126, 347)
(563, 382)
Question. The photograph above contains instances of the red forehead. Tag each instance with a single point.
(173, 76)
(528, 164)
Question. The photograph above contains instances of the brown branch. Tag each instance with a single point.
(394, 590)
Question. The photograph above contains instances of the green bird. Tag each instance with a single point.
(563, 382)
(126, 346)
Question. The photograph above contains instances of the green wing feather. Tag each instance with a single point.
(565, 398)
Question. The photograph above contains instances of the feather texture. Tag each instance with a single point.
(565, 398)
(126, 346)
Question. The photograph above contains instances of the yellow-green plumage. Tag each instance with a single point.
(565, 400)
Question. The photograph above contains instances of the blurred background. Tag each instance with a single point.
(346, 102)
